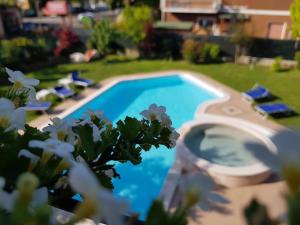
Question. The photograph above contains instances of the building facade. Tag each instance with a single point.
(261, 18)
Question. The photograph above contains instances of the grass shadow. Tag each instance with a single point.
(285, 115)
(270, 98)
(119, 59)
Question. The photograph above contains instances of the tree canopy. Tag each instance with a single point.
(133, 21)
(295, 16)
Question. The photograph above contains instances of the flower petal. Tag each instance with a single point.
(82, 180)
(18, 118)
(40, 197)
(29, 155)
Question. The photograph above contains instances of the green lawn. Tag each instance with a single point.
(285, 85)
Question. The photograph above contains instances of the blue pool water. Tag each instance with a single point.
(142, 183)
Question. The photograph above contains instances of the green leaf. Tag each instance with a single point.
(105, 180)
(156, 214)
(155, 128)
(133, 154)
(294, 209)
(146, 146)
(85, 134)
(130, 128)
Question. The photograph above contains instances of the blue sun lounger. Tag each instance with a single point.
(38, 106)
(274, 109)
(63, 92)
(76, 79)
(258, 92)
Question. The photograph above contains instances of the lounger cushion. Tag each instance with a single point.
(258, 92)
(38, 106)
(274, 108)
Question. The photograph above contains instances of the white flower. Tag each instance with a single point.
(33, 158)
(20, 81)
(90, 115)
(7, 200)
(173, 138)
(61, 129)
(40, 196)
(155, 112)
(83, 181)
(98, 114)
(110, 173)
(97, 133)
(27, 154)
(90, 120)
(53, 146)
(199, 187)
(11, 118)
(165, 120)
(32, 96)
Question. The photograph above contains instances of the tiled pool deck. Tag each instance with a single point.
(269, 193)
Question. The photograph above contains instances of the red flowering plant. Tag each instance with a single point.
(67, 40)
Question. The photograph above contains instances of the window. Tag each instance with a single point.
(204, 22)
(276, 31)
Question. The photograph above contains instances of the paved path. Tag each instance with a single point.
(270, 194)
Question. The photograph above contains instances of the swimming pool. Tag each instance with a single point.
(181, 95)
(223, 145)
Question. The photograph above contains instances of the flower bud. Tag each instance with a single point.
(87, 209)
(27, 182)
(4, 122)
(192, 197)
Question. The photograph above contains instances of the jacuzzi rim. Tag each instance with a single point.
(262, 133)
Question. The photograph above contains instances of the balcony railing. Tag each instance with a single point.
(209, 6)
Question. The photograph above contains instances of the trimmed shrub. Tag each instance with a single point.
(297, 58)
(191, 50)
(160, 45)
(104, 38)
(210, 52)
(24, 50)
(276, 66)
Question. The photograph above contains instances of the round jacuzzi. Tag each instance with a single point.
(226, 148)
